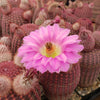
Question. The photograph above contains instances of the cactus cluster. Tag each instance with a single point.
(19, 17)
(83, 11)
(14, 82)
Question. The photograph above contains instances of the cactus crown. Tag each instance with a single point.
(5, 6)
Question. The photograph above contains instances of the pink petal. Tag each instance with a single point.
(28, 65)
(37, 56)
(50, 68)
(24, 59)
(74, 47)
(55, 63)
(72, 57)
(23, 50)
(31, 39)
(41, 69)
(62, 34)
(45, 60)
(62, 57)
(70, 39)
(65, 67)
(51, 34)
(43, 34)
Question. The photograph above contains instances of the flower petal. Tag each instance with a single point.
(72, 57)
(32, 44)
(41, 68)
(45, 60)
(70, 39)
(65, 67)
(74, 47)
(62, 57)
(55, 63)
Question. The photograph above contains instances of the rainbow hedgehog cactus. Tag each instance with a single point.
(87, 39)
(83, 10)
(11, 15)
(52, 52)
(90, 69)
(15, 85)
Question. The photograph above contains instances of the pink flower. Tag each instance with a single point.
(50, 49)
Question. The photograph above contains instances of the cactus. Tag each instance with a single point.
(19, 33)
(75, 4)
(71, 18)
(28, 15)
(9, 69)
(5, 85)
(83, 12)
(6, 41)
(5, 7)
(11, 15)
(36, 8)
(87, 39)
(85, 22)
(42, 16)
(17, 40)
(24, 4)
(96, 35)
(60, 86)
(21, 87)
(90, 67)
(55, 8)
(5, 54)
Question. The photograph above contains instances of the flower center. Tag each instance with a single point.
(50, 50)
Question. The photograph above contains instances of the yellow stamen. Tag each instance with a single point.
(50, 50)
